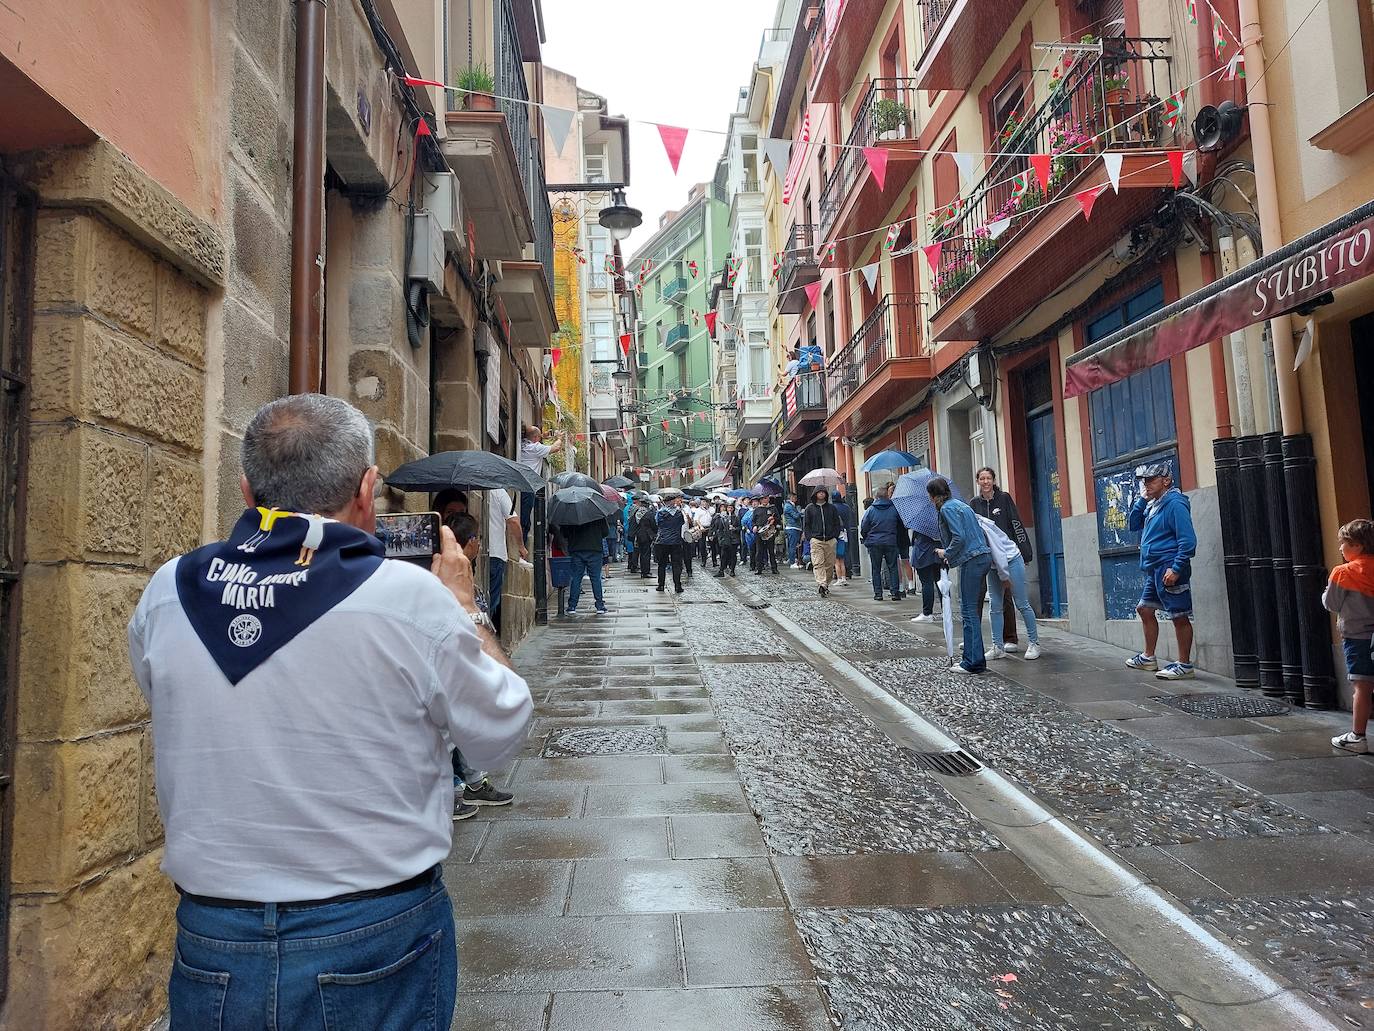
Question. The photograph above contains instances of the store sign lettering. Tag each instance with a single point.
(1312, 273)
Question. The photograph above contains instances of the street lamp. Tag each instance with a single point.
(619, 217)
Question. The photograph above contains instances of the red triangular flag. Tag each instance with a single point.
(1086, 199)
(673, 141)
(422, 129)
(1041, 164)
(933, 254)
(813, 292)
(711, 323)
(411, 80)
(665, 425)
(1176, 166)
(877, 164)
(557, 354)
(625, 342)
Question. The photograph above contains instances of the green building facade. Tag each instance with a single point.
(675, 352)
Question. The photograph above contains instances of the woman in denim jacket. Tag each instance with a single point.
(966, 547)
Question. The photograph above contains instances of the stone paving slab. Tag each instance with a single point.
(772, 1008)
(1281, 864)
(500, 1011)
(926, 879)
(673, 886)
(758, 947)
(985, 968)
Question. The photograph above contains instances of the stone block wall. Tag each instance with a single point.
(115, 488)
(517, 603)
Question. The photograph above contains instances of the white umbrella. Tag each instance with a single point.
(948, 613)
(822, 478)
(669, 492)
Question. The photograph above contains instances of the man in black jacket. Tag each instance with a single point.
(643, 530)
(821, 526)
(668, 543)
(725, 524)
(584, 557)
(991, 502)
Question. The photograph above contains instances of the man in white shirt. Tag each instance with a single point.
(535, 454)
(501, 524)
(304, 703)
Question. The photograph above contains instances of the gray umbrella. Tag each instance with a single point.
(574, 506)
(466, 470)
(573, 478)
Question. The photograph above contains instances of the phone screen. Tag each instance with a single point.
(409, 535)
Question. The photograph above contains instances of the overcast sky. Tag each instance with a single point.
(658, 61)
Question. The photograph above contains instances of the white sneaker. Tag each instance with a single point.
(1348, 742)
(959, 668)
(996, 654)
(1010, 646)
(842, 582)
(923, 619)
(1032, 651)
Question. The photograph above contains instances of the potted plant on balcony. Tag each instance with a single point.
(1114, 89)
(890, 119)
(478, 88)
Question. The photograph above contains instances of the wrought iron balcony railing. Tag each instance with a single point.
(932, 14)
(887, 114)
(673, 288)
(799, 249)
(1113, 100)
(677, 336)
(877, 340)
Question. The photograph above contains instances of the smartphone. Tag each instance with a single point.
(410, 536)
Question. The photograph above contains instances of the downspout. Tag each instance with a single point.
(307, 200)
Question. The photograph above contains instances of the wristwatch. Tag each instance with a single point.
(481, 619)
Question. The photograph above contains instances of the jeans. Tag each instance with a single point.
(793, 543)
(496, 583)
(669, 555)
(971, 576)
(585, 563)
(878, 556)
(526, 516)
(463, 774)
(383, 964)
(1000, 594)
(929, 576)
(1017, 568)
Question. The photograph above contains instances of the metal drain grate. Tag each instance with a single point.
(1224, 706)
(958, 763)
(575, 742)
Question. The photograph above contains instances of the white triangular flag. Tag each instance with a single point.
(965, 162)
(996, 229)
(602, 435)
(778, 153)
(558, 120)
(1112, 162)
(1190, 165)
(870, 275)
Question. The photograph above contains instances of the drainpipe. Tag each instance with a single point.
(307, 200)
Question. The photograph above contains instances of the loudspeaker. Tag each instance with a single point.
(1214, 126)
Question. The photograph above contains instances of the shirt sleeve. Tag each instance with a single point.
(484, 706)
(138, 625)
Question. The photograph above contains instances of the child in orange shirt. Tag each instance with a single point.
(1350, 594)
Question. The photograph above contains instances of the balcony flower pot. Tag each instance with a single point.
(890, 119)
(478, 89)
(479, 102)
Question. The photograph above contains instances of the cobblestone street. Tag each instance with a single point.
(721, 821)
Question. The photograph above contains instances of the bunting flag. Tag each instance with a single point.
(893, 231)
(1041, 164)
(1192, 12)
(558, 121)
(732, 267)
(580, 255)
(1235, 68)
(557, 355)
(711, 323)
(870, 274)
(411, 80)
(877, 164)
(777, 267)
(645, 267)
(422, 129)
(996, 229)
(692, 268)
(625, 340)
(965, 162)
(1173, 108)
(830, 254)
(610, 263)
(665, 425)
(1176, 166)
(1190, 166)
(1019, 185)
(674, 139)
(813, 292)
(932, 251)
(1112, 163)
(1086, 199)
(776, 152)
(1218, 38)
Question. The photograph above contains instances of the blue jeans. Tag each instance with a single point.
(384, 964)
(463, 774)
(526, 516)
(971, 576)
(1017, 568)
(878, 556)
(589, 563)
(793, 543)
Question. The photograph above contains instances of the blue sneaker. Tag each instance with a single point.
(1143, 661)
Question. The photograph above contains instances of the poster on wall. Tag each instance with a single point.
(1116, 490)
(493, 395)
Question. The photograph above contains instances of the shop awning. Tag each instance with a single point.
(717, 477)
(1338, 254)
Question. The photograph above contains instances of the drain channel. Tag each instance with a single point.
(959, 763)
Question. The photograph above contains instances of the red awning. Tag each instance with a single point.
(1336, 255)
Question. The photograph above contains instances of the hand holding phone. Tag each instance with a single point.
(411, 536)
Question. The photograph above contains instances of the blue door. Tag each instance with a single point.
(1049, 530)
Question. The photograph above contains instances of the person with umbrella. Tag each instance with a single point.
(766, 530)
(534, 454)
(965, 547)
(668, 541)
(821, 527)
(583, 544)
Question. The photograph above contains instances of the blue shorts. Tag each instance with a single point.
(1176, 601)
(1359, 657)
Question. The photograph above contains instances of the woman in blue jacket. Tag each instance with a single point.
(965, 546)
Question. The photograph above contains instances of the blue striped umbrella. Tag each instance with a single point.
(914, 504)
(892, 459)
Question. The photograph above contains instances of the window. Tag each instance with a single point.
(753, 259)
(595, 164)
(660, 335)
(1008, 108)
(828, 320)
(977, 440)
(682, 377)
(811, 329)
(749, 159)
(598, 249)
(660, 379)
(599, 331)
(758, 363)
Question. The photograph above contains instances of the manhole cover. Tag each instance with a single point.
(571, 742)
(1224, 706)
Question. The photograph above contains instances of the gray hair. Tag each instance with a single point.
(307, 453)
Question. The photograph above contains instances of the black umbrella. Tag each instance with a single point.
(466, 470)
(573, 506)
(619, 482)
(694, 492)
(573, 478)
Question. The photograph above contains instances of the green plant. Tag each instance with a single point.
(1115, 82)
(889, 115)
(477, 79)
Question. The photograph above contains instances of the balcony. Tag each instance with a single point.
(524, 290)
(674, 289)
(984, 281)
(677, 337)
(879, 369)
(797, 269)
(843, 34)
(956, 35)
(803, 407)
(755, 407)
(850, 202)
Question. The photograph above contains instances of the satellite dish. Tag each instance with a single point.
(1214, 126)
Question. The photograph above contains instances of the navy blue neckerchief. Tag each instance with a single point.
(252, 594)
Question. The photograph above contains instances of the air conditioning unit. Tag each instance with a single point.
(443, 200)
(427, 252)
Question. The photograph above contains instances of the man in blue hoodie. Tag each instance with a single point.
(878, 532)
(1167, 544)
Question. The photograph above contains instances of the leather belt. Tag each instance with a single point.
(420, 880)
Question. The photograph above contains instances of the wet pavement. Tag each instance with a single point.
(708, 833)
